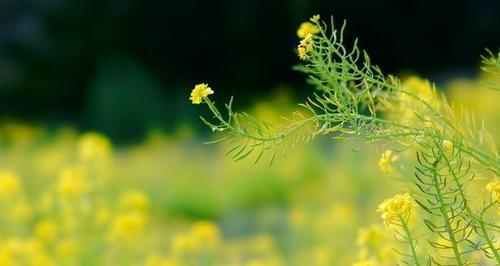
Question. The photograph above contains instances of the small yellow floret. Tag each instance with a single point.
(386, 160)
(307, 28)
(395, 207)
(447, 146)
(305, 46)
(200, 91)
(494, 188)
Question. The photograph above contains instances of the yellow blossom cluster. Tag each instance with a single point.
(396, 208)
(386, 161)
(305, 32)
(199, 92)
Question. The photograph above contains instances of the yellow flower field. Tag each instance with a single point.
(71, 198)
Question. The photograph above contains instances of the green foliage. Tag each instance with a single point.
(355, 100)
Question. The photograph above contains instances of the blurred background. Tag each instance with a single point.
(124, 67)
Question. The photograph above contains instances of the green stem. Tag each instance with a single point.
(446, 220)
(469, 213)
(489, 240)
(411, 241)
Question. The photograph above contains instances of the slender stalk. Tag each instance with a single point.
(411, 241)
(446, 220)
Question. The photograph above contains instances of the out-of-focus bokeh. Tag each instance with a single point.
(93, 63)
(102, 160)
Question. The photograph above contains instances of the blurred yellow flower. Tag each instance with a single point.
(494, 188)
(134, 200)
(447, 146)
(200, 91)
(305, 46)
(10, 185)
(72, 182)
(372, 236)
(127, 226)
(206, 234)
(46, 231)
(386, 160)
(181, 243)
(398, 206)
(27, 252)
(418, 87)
(94, 146)
(307, 28)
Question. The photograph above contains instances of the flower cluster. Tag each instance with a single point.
(395, 208)
(305, 32)
(199, 92)
(386, 160)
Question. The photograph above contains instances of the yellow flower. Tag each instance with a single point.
(395, 207)
(386, 160)
(46, 231)
(206, 234)
(127, 226)
(307, 28)
(72, 182)
(372, 236)
(94, 146)
(305, 46)
(200, 91)
(447, 146)
(418, 87)
(182, 243)
(134, 200)
(494, 188)
(10, 184)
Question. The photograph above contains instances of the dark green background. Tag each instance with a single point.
(125, 66)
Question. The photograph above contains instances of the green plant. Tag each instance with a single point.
(355, 100)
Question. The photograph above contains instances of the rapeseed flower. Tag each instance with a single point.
(46, 231)
(94, 146)
(10, 185)
(127, 226)
(396, 207)
(305, 46)
(494, 188)
(200, 91)
(134, 200)
(447, 146)
(386, 160)
(307, 28)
